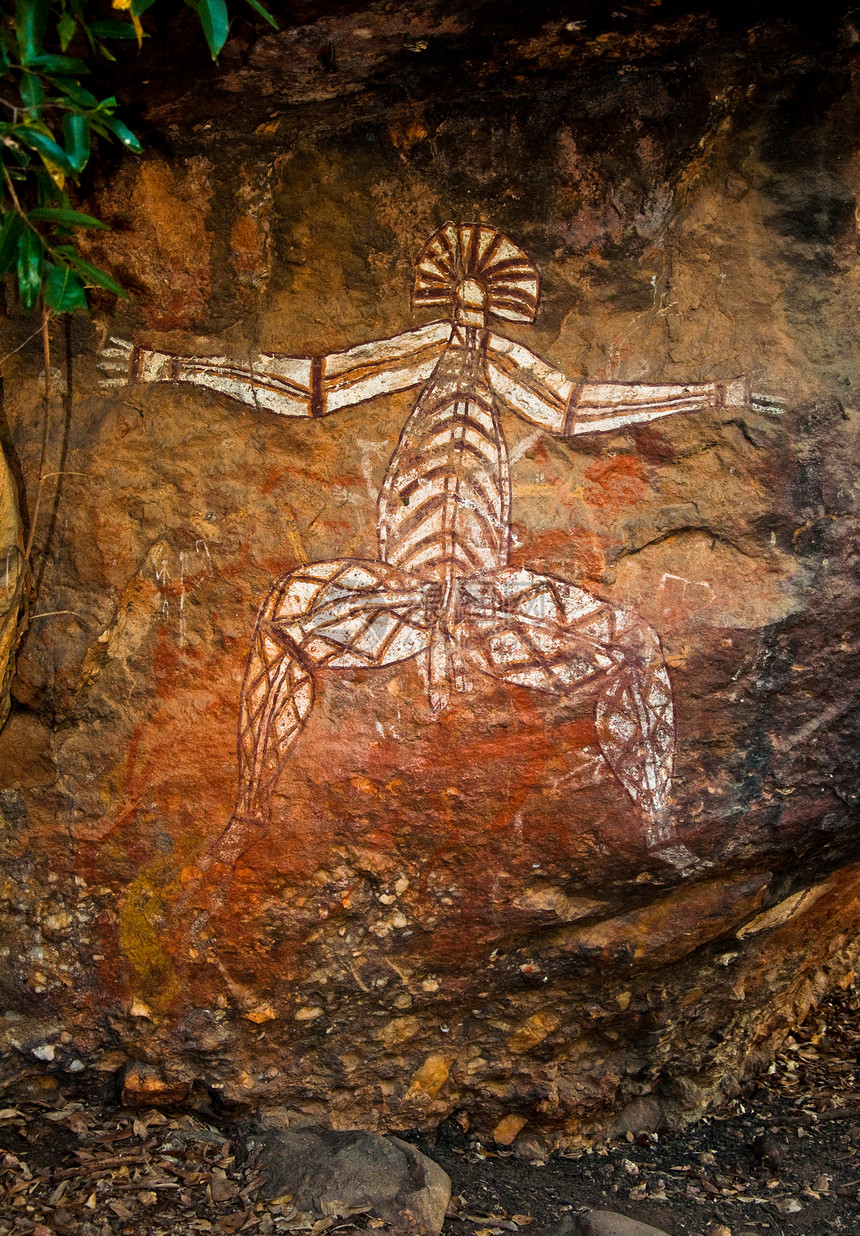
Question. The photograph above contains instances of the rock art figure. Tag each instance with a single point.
(441, 591)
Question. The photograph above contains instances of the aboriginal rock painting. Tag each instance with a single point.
(441, 592)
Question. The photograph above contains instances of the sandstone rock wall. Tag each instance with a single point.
(450, 912)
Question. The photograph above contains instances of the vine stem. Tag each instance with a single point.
(48, 247)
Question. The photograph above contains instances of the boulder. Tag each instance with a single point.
(339, 1173)
(610, 1223)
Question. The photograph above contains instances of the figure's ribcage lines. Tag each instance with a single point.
(446, 508)
(458, 508)
(487, 491)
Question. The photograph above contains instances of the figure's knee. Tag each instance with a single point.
(545, 597)
(275, 599)
(637, 639)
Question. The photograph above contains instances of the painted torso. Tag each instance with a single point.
(445, 503)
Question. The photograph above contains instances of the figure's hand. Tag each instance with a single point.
(738, 395)
(115, 362)
(768, 404)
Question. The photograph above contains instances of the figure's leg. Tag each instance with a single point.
(635, 723)
(341, 614)
(541, 632)
(277, 697)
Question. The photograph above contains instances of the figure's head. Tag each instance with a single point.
(474, 271)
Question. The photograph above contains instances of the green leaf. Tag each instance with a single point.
(66, 27)
(47, 189)
(31, 17)
(31, 91)
(121, 131)
(75, 91)
(263, 11)
(64, 291)
(59, 66)
(113, 29)
(92, 273)
(68, 218)
(215, 22)
(47, 147)
(76, 131)
(30, 254)
(9, 234)
(140, 6)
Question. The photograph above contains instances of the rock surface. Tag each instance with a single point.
(10, 557)
(609, 1223)
(451, 912)
(339, 1174)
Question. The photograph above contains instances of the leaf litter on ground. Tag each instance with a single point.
(780, 1159)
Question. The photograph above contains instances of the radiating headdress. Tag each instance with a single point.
(473, 251)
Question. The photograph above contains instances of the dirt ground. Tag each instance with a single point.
(782, 1159)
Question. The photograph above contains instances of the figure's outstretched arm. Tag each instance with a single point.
(540, 394)
(289, 385)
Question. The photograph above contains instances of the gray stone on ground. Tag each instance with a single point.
(339, 1173)
(603, 1223)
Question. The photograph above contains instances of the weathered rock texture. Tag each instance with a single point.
(452, 913)
(11, 558)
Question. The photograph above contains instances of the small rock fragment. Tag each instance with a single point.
(263, 1013)
(507, 1129)
(144, 1086)
(430, 1077)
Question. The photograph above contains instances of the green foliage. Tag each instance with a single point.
(48, 120)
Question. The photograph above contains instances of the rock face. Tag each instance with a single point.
(472, 909)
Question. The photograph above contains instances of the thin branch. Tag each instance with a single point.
(29, 339)
(53, 613)
(46, 244)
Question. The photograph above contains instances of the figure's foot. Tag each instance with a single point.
(683, 860)
(207, 882)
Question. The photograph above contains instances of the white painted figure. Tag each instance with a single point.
(441, 591)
